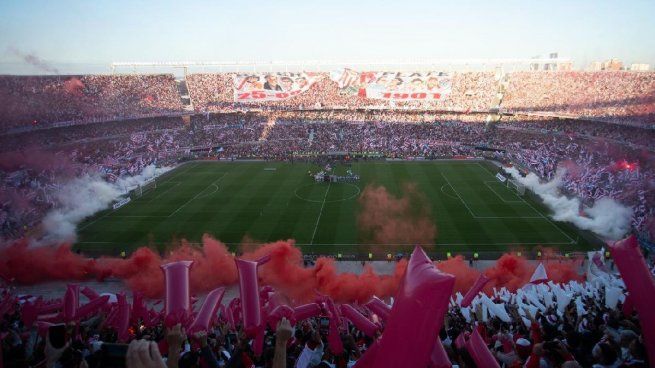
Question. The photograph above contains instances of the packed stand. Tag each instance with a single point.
(602, 160)
(621, 96)
(473, 91)
(541, 324)
(35, 165)
(594, 169)
(40, 101)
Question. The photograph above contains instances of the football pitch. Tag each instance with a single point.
(268, 201)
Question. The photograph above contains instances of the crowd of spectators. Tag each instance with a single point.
(39, 101)
(634, 137)
(36, 101)
(595, 169)
(473, 91)
(528, 328)
(621, 96)
(34, 165)
(211, 91)
(602, 160)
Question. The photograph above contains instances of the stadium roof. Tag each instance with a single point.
(254, 65)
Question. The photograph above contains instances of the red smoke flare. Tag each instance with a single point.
(214, 266)
(30, 265)
(510, 271)
(385, 219)
(74, 86)
(457, 266)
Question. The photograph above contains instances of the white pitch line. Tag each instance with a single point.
(98, 219)
(141, 216)
(320, 213)
(458, 196)
(486, 169)
(197, 195)
(498, 195)
(552, 223)
(447, 193)
(488, 217)
(208, 194)
(164, 192)
(113, 211)
(175, 174)
(572, 241)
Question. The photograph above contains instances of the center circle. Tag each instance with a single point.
(318, 192)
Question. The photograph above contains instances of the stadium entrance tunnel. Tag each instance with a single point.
(328, 192)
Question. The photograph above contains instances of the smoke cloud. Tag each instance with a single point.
(512, 272)
(214, 266)
(386, 219)
(82, 197)
(606, 217)
(34, 60)
(74, 86)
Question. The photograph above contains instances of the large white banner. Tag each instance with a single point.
(395, 86)
(254, 87)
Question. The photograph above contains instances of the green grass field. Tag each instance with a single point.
(268, 201)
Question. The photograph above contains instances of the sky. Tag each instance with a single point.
(89, 35)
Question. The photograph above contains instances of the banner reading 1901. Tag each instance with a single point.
(393, 85)
(254, 87)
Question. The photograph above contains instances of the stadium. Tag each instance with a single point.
(323, 213)
(239, 169)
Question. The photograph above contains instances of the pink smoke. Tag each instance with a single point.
(214, 266)
(74, 86)
(386, 219)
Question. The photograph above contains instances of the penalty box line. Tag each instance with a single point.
(198, 194)
(482, 217)
(498, 195)
(160, 216)
(178, 173)
(571, 240)
(473, 215)
(165, 191)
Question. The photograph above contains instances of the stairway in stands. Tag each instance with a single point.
(270, 124)
(184, 94)
(495, 113)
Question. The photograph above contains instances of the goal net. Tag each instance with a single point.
(145, 187)
(516, 187)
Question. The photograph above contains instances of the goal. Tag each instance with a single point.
(145, 187)
(516, 187)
